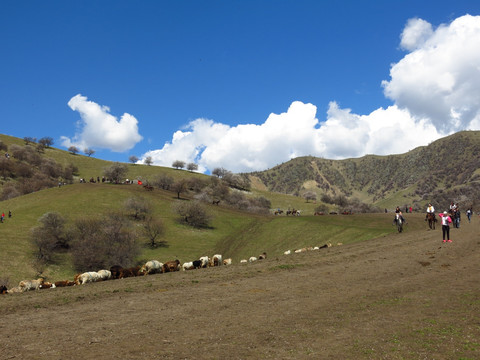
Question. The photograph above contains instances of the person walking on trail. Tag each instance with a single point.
(469, 214)
(446, 221)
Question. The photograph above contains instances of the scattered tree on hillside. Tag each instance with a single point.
(193, 213)
(6, 168)
(46, 141)
(153, 228)
(116, 172)
(51, 168)
(178, 164)
(99, 243)
(322, 208)
(133, 159)
(163, 181)
(148, 161)
(49, 236)
(309, 195)
(219, 172)
(9, 191)
(179, 187)
(40, 148)
(73, 150)
(192, 167)
(29, 139)
(138, 207)
(89, 152)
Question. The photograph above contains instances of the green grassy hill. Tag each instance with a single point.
(234, 233)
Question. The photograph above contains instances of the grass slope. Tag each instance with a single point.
(233, 233)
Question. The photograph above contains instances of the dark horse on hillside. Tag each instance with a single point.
(431, 220)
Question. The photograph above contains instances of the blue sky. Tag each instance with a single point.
(243, 85)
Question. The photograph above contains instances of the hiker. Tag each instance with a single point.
(446, 221)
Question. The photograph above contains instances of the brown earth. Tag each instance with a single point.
(402, 296)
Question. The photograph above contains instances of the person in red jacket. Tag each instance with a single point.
(446, 221)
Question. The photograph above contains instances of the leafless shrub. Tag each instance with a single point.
(116, 172)
(24, 170)
(6, 168)
(163, 181)
(153, 228)
(51, 168)
(101, 242)
(9, 191)
(193, 213)
(138, 207)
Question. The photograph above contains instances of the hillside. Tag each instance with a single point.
(444, 171)
(399, 296)
(236, 232)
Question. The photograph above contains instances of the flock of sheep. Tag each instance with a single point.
(118, 272)
(150, 267)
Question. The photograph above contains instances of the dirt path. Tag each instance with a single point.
(403, 296)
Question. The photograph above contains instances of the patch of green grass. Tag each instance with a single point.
(287, 266)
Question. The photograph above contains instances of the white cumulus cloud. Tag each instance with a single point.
(434, 88)
(99, 129)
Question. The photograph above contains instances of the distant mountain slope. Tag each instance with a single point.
(446, 170)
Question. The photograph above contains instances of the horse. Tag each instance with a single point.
(431, 220)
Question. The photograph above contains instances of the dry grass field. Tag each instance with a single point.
(401, 296)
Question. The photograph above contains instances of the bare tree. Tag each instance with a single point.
(133, 159)
(73, 149)
(101, 242)
(6, 168)
(178, 164)
(29, 139)
(219, 172)
(153, 228)
(89, 152)
(179, 187)
(193, 213)
(148, 161)
(192, 167)
(116, 172)
(138, 206)
(163, 181)
(46, 141)
(49, 236)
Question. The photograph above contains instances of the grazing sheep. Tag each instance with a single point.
(205, 261)
(262, 256)
(252, 259)
(47, 285)
(227, 261)
(14, 290)
(104, 275)
(188, 266)
(26, 285)
(243, 261)
(87, 277)
(151, 267)
(217, 260)
(288, 252)
(64, 283)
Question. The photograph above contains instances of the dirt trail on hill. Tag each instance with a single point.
(402, 296)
